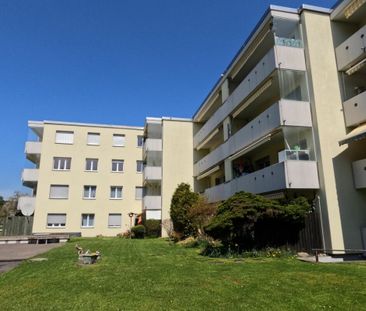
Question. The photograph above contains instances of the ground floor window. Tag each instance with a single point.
(114, 220)
(87, 220)
(56, 220)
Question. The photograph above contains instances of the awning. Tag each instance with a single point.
(253, 145)
(208, 173)
(357, 134)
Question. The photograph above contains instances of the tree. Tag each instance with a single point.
(200, 214)
(182, 200)
(10, 207)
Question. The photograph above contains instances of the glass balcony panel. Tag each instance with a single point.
(293, 85)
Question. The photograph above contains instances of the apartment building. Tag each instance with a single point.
(168, 158)
(286, 118)
(85, 178)
(274, 122)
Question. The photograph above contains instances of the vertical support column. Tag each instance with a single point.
(228, 170)
(225, 90)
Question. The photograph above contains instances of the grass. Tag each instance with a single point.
(154, 275)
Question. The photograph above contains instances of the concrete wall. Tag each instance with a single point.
(77, 177)
(177, 160)
(342, 208)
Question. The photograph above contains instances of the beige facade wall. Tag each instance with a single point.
(177, 160)
(77, 177)
(342, 208)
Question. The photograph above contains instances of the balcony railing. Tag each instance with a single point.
(152, 173)
(30, 176)
(352, 50)
(152, 202)
(33, 150)
(285, 112)
(280, 176)
(295, 43)
(280, 56)
(296, 155)
(359, 173)
(355, 110)
(153, 144)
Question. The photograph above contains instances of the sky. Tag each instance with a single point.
(112, 61)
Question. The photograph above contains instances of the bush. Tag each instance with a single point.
(124, 235)
(200, 215)
(153, 228)
(138, 232)
(182, 200)
(246, 221)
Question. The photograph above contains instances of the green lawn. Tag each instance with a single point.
(154, 275)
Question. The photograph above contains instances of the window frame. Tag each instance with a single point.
(88, 218)
(59, 225)
(142, 193)
(119, 145)
(137, 166)
(118, 162)
(120, 220)
(91, 134)
(90, 192)
(92, 166)
(65, 142)
(115, 197)
(59, 198)
(138, 141)
(67, 160)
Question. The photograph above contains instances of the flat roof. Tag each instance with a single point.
(39, 123)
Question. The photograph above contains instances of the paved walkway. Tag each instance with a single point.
(12, 254)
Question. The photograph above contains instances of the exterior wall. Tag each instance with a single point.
(77, 177)
(343, 211)
(177, 160)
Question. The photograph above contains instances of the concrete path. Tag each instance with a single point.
(11, 255)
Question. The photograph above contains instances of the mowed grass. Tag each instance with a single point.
(154, 275)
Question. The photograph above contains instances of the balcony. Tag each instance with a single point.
(30, 177)
(26, 205)
(152, 173)
(33, 150)
(280, 56)
(152, 202)
(285, 112)
(352, 50)
(280, 176)
(153, 144)
(355, 110)
(359, 173)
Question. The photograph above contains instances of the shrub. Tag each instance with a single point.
(246, 221)
(153, 228)
(138, 232)
(200, 214)
(182, 200)
(189, 242)
(124, 235)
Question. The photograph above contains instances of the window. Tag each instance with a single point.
(91, 165)
(117, 165)
(118, 140)
(114, 220)
(139, 166)
(56, 220)
(116, 192)
(140, 141)
(59, 191)
(87, 220)
(64, 137)
(139, 193)
(62, 164)
(90, 192)
(93, 138)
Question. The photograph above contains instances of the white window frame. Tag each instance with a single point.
(92, 166)
(88, 220)
(64, 137)
(59, 197)
(138, 141)
(117, 144)
(119, 166)
(61, 163)
(109, 220)
(113, 195)
(93, 139)
(142, 193)
(137, 166)
(90, 190)
(56, 225)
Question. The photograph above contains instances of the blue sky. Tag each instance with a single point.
(111, 61)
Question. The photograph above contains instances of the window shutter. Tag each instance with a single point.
(56, 218)
(93, 138)
(59, 191)
(114, 220)
(63, 137)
